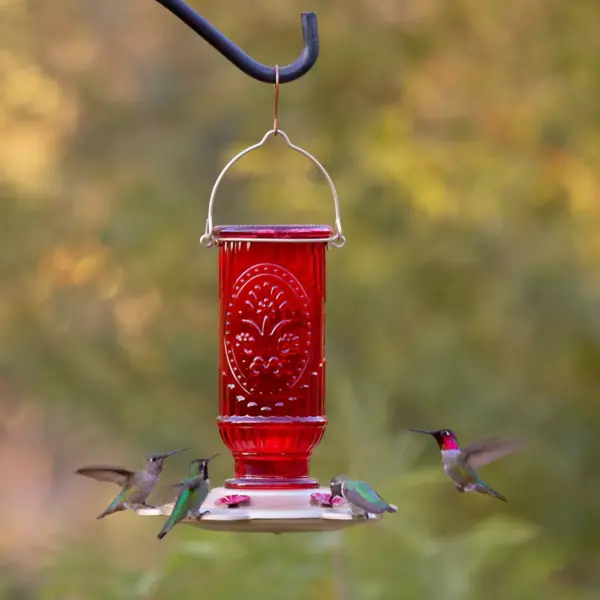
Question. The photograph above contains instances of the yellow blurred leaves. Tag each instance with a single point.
(133, 313)
(34, 116)
(26, 153)
(396, 156)
(72, 266)
(27, 87)
(581, 182)
(581, 186)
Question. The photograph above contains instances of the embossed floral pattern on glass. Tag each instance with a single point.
(272, 363)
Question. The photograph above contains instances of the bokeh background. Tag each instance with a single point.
(464, 139)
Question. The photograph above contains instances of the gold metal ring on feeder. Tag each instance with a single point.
(337, 239)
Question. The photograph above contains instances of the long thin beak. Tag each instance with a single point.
(213, 456)
(174, 452)
(422, 431)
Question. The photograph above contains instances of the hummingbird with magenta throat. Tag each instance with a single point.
(361, 497)
(136, 486)
(460, 464)
(192, 494)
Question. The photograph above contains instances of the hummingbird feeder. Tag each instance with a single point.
(272, 342)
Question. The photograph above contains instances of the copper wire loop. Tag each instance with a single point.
(276, 109)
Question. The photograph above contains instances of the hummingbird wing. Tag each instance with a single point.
(111, 474)
(199, 494)
(361, 494)
(485, 451)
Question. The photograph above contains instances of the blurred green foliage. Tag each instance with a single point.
(464, 139)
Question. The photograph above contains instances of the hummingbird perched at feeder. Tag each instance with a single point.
(361, 497)
(136, 485)
(192, 494)
(460, 464)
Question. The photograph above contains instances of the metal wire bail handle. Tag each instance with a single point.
(337, 239)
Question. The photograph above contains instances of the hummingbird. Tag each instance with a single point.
(192, 494)
(363, 499)
(136, 485)
(460, 463)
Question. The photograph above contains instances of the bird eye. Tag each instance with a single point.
(153, 459)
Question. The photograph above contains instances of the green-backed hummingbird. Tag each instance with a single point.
(361, 497)
(192, 494)
(136, 485)
(460, 463)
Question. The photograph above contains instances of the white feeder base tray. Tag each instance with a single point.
(270, 511)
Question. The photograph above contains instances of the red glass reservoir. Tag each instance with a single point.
(272, 358)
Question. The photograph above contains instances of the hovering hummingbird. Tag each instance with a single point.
(460, 463)
(192, 494)
(363, 499)
(136, 485)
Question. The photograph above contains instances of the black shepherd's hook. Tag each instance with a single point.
(238, 57)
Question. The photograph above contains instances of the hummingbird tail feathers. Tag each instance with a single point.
(167, 527)
(111, 510)
(391, 508)
(117, 505)
(486, 489)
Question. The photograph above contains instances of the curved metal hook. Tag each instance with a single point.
(238, 57)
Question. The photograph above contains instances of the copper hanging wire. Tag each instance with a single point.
(276, 109)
